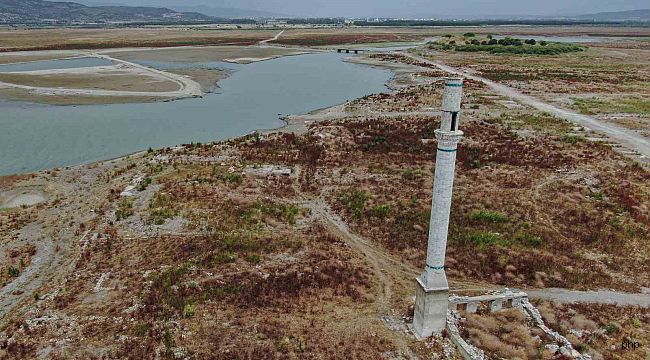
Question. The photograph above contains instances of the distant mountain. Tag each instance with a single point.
(99, 3)
(222, 12)
(39, 11)
(631, 15)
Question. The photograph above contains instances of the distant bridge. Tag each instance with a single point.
(348, 51)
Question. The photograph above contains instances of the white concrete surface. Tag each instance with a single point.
(432, 286)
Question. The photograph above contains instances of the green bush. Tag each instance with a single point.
(412, 174)
(161, 208)
(254, 259)
(511, 46)
(142, 329)
(488, 216)
(144, 184)
(286, 212)
(159, 216)
(380, 211)
(168, 340)
(238, 242)
(13, 271)
(188, 310)
(484, 239)
(224, 258)
(377, 140)
(124, 209)
(221, 291)
(233, 178)
(573, 139)
(611, 328)
(356, 201)
(509, 41)
(529, 240)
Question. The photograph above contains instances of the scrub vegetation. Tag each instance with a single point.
(507, 45)
(215, 257)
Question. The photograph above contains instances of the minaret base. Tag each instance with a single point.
(430, 316)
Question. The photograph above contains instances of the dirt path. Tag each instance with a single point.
(277, 36)
(624, 137)
(383, 266)
(188, 86)
(596, 297)
(51, 261)
(56, 235)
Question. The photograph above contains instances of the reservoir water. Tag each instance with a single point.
(35, 137)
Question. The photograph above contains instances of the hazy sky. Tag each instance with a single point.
(411, 8)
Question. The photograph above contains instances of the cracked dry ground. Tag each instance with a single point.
(214, 259)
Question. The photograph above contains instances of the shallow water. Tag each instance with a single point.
(36, 137)
(56, 64)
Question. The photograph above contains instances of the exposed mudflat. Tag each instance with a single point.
(191, 54)
(10, 199)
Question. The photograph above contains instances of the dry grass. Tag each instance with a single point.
(503, 334)
(105, 80)
(24, 95)
(217, 263)
(10, 58)
(599, 81)
(365, 35)
(539, 181)
(253, 277)
(51, 39)
(600, 330)
(14, 262)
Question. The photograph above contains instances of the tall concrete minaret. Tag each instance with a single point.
(432, 294)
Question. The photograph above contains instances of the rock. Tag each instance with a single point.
(565, 352)
(552, 348)
(576, 354)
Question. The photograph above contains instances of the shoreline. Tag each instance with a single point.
(297, 123)
(189, 86)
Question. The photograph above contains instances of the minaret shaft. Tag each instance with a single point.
(432, 288)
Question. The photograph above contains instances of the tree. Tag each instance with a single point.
(531, 42)
(543, 43)
(469, 34)
(510, 41)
